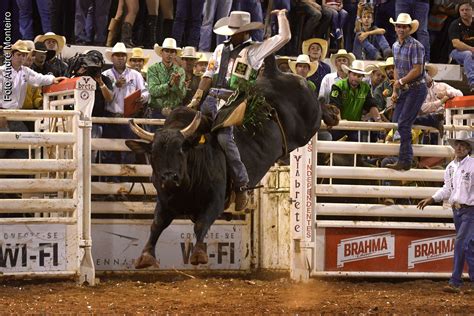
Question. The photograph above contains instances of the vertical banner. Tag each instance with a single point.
(301, 193)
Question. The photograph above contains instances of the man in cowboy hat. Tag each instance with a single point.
(385, 90)
(13, 85)
(458, 189)
(317, 49)
(461, 34)
(191, 81)
(342, 57)
(138, 61)
(282, 63)
(352, 96)
(166, 81)
(304, 68)
(39, 55)
(233, 65)
(125, 81)
(201, 64)
(55, 43)
(409, 88)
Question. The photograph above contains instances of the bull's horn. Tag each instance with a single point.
(191, 128)
(140, 132)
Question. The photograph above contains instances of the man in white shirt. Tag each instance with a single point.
(124, 82)
(342, 57)
(14, 79)
(459, 190)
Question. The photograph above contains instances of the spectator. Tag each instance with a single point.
(409, 88)
(384, 10)
(201, 65)
(165, 81)
(231, 80)
(283, 63)
(39, 55)
(100, 10)
(385, 90)
(370, 43)
(461, 34)
(304, 67)
(187, 22)
(376, 78)
(339, 17)
(317, 21)
(61, 22)
(18, 80)
(438, 92)
(124, 82)
(459, 191)
(138, 61)
(191, 81)
(126, 26)
(316, 49)
(418, 9)
(352, 95)
(54, 43)
(442, 13)
(213, 10)
(25, 8)
(342, 57)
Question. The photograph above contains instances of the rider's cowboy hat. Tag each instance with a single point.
(20, 46)
(431, 69)
(237, 22)
(61, 40)
(118, 48)
(168, 43)
(189, 52)
(358, 67)
(321, 42)
(342, 53)
(137, 53)
(405, 18)
(462, 136)
(303, 59)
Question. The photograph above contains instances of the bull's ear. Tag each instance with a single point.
(139, 147)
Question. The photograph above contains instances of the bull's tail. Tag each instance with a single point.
(331, 113)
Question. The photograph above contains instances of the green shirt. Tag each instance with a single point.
(350, 101)
(311, 85)
(161, 94)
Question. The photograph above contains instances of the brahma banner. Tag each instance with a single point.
(388, 250)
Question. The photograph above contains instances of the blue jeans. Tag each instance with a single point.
(351, 9)
(465, 58)
(26, 17)
(100, 11)
(254, 7)
(188, 18)
(338, 19)
(383, 13)
(225, 137)
(373, 47)
(464, 245)
(407, 108)
(213, 11)
(418, 11)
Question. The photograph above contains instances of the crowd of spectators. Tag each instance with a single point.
(174, 80)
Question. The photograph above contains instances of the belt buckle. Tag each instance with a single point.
(456, 206)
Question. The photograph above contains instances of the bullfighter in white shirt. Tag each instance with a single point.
(458, 189)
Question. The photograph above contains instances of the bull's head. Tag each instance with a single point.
(169, 152)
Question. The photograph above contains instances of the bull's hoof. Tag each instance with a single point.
(146, 260)
(199, 256)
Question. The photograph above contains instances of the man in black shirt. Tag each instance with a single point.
(461, 34)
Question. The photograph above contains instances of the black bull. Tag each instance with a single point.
(191, 178)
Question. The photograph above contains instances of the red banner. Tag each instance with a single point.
(388, 250)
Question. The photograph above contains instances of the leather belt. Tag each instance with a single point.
(415, 83)
(459, 206)
(111, 114)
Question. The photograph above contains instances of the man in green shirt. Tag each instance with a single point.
(352, 96)
(165, 81)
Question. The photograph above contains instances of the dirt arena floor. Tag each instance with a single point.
(206, 293)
